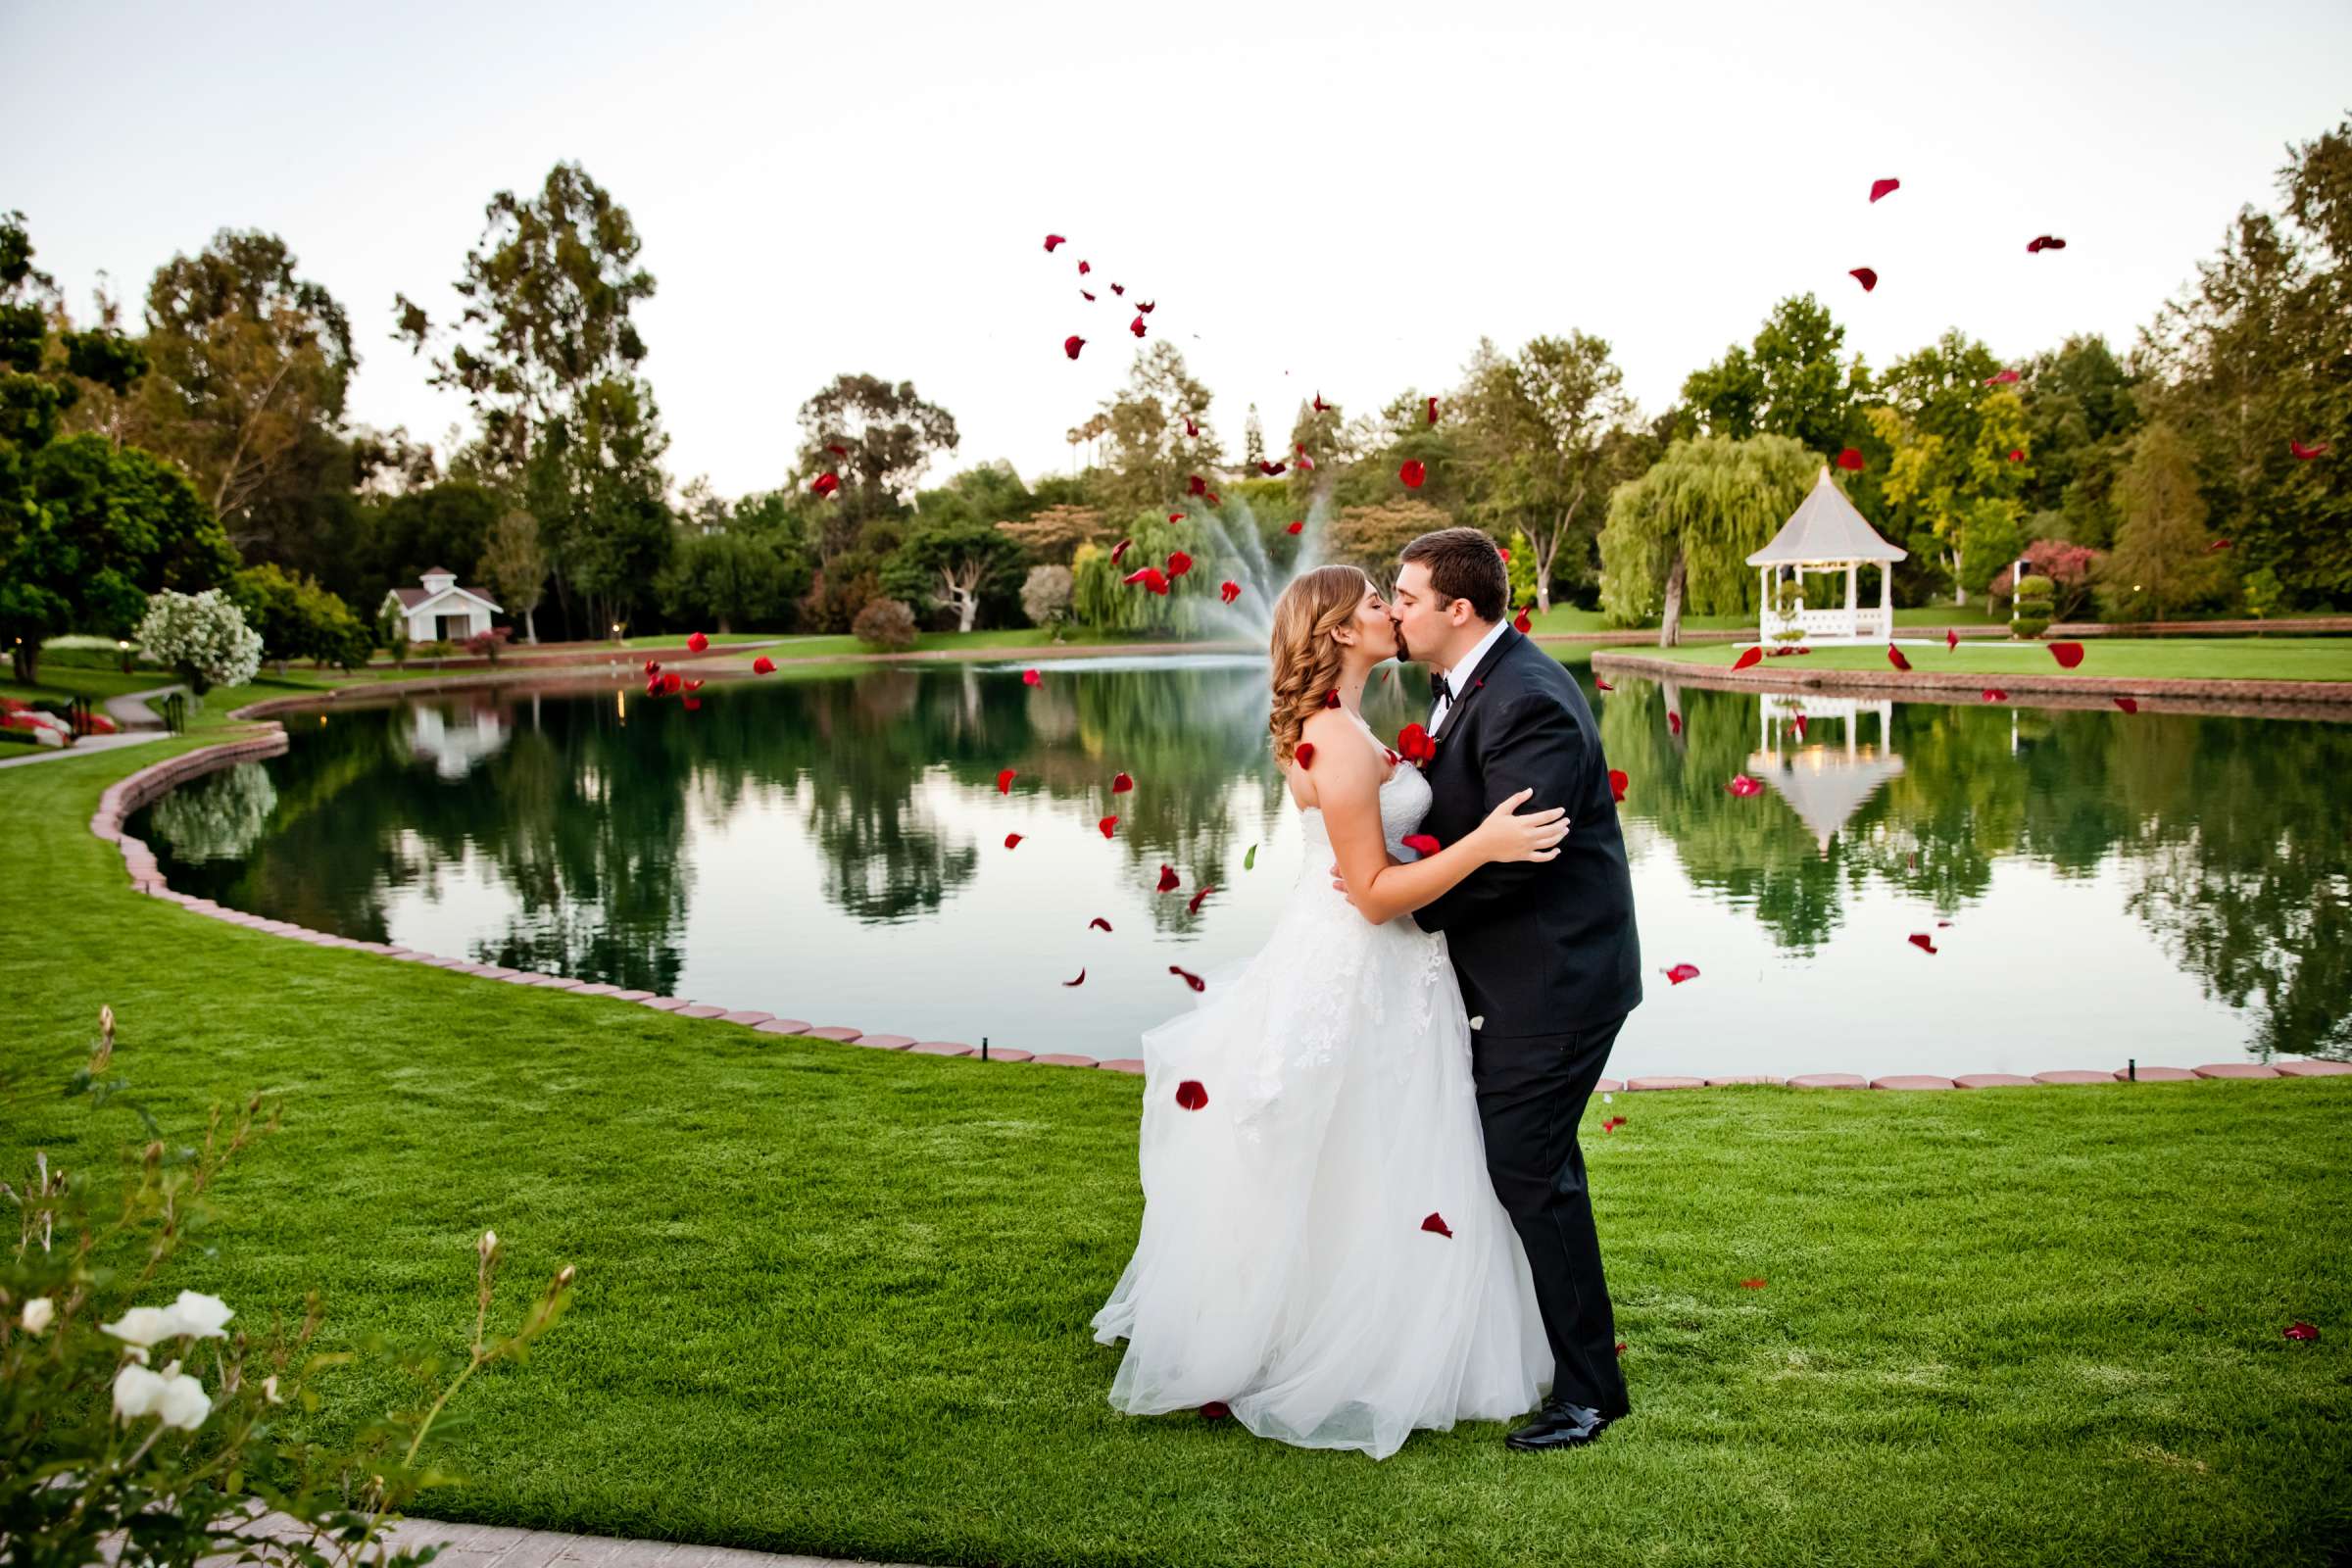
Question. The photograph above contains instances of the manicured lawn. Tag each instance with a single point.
(834, 1301)
(2128, 658)
(1568, 619)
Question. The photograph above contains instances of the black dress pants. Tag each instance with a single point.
(1532, 1092)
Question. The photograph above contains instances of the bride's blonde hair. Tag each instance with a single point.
(1307, 660)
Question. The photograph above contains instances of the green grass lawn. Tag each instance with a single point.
(1568, 619)
(835, 1301)
(2113, 658)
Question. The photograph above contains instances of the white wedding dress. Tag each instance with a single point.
(1283, 1266)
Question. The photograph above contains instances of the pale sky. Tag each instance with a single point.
(1333, 197)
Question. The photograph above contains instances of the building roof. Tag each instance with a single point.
(1826, 528)
(1826, 788)
(413, 598)
(443, 571)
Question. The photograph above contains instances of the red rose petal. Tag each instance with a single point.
(1072, 344)
(2001, 378)
(1621, 1348)
(652, 666)
(1214, 1410)
(1331, 699)
(1085, 267)
(1210, 498)
(672, 682)
(694, 685)
(1414, 743)
(1922, 941)
(1320, 405)
(1107, 826)
(1179, 564)
(696, 642)
(1084, 295)
(1004, 778)
(763, 665)
(1137, 326)
(1752, 657)
(2218, 544)
(1120, 288)
(1422, 844)
(1190, 429)
(1867, 276)
(1119, 548)
(1295, 527)
(1895, 657)
(2044, 242)
(1743, 786)
(1435, 1225)
(2017, 454)
(1432, 411)
(1030, 678)
(1169, 881)
(1144, 306)
(2302, 1333)
(1176, 516)
(1612, 1124)
(1305, 752)
(1603, 684)
(1679, 974)
(1850, 461)
(1052, 240)
(1098, 921)
(693, 705)
(1192, 1095)
(1189, 978)
(1194, 485)
(1505, 555)
(1081, 980)
(1799, 720)
(1884, 187)
(1012, 841)
(1674, 723)
(1413, 473)
(1121, 783)
(1151, 578)
(1994, 694)
(1751, 1285)
(1272, 470)
(1521, 624)
(1229, 591)
(1193, 905)
(1618, 780)
(2129, 705)
(1951, 639)
(837, 449)
(2067, 655)
(2318, 449)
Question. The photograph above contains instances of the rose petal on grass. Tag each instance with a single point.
(2302, 1333)
(2067, 655)
(1751, 1285)
(1752, 657)
(1214, 1410)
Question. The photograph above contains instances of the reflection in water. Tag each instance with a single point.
(831, 847)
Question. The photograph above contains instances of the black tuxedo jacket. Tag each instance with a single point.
(1540, 948)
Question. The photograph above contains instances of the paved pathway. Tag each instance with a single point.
(135, 722)
(509, 1546)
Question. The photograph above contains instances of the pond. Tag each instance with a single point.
(829, 845)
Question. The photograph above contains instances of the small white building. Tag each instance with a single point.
(1826, 536)
(441, 610)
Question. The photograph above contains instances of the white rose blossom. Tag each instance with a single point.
(39, 1313)
(142, 1326)
(136, 1391)
(200, 1316)
(171, 1395)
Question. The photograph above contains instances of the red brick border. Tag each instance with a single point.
(125, 794)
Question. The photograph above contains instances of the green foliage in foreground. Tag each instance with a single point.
(835, 1300)
(2109, 657)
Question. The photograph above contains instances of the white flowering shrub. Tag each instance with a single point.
(201, 637)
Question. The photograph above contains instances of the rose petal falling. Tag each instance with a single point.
(1150, 577)
(1320, 405)
(1121, 783)
(672, 682)
(1194, 485)
(1229, 590)
(1081, 980)
(1192, 1095)
(1603, 684)
(2044, 242)
(1884, 187)
(1295, 527)
(1120, 549)
(1867, 276)
(1503, 555)
(1191, 430)
(1798, 719)
(1086, 296)
(1189, 978)
(1618, 780)
(2218, 544)
(1748, 658)
(1107, 826)
(1144, 306)
(1191, 904)
(1085, 267)
(1052, 240)
(1994, 694)
(1097, 924)
(1522, 625)
(694, 685)
(1120, 288)
(1030, 678)
(1210, 498)
(1176, 516)
(1137, 326)
(1422, 844)
(763, 665)
(2017, 454)
(1072, 344)
(1435, 1225)
(652, 666)
(1214, 1410)
(1895, 657)
(1012, 841)
(1272, 470)
(693, 705)
(2318, 449)
(1178, 563)
(2130, 705)
(1951, 639)
(2067, 655)
(1413, 473)
(1432, 411)
(696, 642)
(837, 449)
(1851, 459)
(1169, 881)
(1674, 723)
(1331, 699)
(2001, 378)
(1679, 974)
(1612, 1124)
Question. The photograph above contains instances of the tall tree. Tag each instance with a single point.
(1950, 427)
(516, 565)
(1542, 429)
(547, 354)
(1153, 450)
(1789, 381)
(2081, 411)
(2163, 560)
(888, 436)
(1681, 534)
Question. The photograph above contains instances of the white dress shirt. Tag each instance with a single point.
(1469, 671)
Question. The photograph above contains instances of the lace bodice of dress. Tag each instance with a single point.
(1404, 803)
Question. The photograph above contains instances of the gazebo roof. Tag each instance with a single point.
(1826, 528)
(1826, 789)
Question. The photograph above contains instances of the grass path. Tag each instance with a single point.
(834, 1301)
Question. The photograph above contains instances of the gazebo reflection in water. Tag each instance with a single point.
(1827, 772)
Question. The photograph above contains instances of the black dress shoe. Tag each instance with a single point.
(1559, 1425)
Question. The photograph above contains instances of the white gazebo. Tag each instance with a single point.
(1827, 535)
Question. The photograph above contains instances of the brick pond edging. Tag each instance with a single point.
(2259, 699)
(128, 793)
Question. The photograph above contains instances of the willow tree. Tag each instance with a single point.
(1681, 533)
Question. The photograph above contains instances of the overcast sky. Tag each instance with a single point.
(1339, 197)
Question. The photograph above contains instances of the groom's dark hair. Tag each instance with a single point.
(1463, 563)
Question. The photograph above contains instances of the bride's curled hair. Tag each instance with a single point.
(1307, 660)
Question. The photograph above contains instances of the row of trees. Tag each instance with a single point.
(214, 435)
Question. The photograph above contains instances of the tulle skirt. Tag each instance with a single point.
(1321, 1247)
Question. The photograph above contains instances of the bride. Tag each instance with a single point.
(1322, 1250)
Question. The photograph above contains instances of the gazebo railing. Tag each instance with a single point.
(1864, 621)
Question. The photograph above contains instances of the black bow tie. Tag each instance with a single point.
(1436, 685)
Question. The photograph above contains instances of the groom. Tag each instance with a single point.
(1547, 953)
